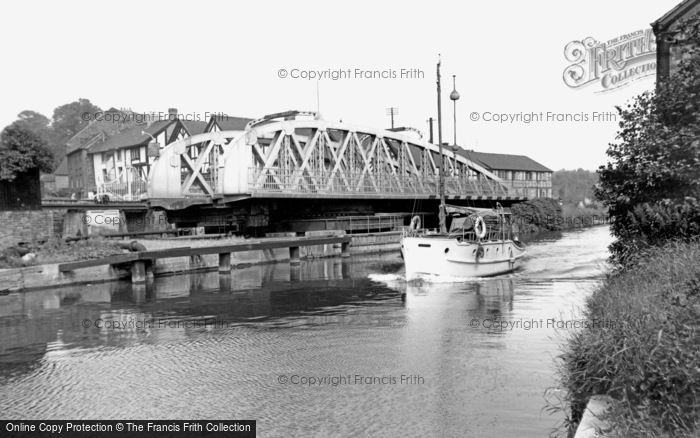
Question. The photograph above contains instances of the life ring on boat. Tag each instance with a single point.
(415, 223)
(480, 227)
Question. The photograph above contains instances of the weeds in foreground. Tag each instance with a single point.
(643, 347)
(58, 250)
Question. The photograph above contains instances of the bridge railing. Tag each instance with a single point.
(319, 182)
(125, 190)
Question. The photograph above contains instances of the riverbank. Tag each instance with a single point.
(546, 214)
(41, 271)
(642, 346)
(57, 250)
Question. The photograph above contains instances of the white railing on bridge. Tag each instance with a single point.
(125, 191)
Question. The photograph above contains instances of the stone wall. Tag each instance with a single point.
(29, 225)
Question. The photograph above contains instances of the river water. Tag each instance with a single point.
(332, 348)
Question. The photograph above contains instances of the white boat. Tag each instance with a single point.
(480, 244)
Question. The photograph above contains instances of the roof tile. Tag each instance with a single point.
(504, 161)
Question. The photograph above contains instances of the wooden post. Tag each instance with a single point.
(294, 255)
(138, 272)
(345, 249)
(337, 269)
(225, 283)
(138, 293)
(225, 262)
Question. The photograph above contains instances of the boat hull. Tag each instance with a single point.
(447, 257)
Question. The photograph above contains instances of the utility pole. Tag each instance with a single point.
(318, 98)
(391, 111)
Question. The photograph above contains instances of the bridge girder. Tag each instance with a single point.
(315, 159)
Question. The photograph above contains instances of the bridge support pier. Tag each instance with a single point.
(225, 263)
(138, 272)
(294, 258)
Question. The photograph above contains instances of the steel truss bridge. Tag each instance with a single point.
(299, 156)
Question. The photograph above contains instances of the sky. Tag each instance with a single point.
(227, 57)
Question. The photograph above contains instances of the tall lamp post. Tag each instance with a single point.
(454, 97)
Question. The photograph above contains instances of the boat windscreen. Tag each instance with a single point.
(461, 223)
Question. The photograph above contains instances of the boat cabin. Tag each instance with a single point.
(480, 224)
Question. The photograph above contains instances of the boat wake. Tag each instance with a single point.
(401, 278)
(387, 278)
(437, 279)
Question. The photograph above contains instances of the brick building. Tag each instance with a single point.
(669, 44)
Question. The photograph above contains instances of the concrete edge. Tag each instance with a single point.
(47, 276)
(593, 423)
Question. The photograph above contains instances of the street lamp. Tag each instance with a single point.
(454, 97)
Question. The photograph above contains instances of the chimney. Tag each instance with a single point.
(172, 113)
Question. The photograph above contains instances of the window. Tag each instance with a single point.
(135, 154)
(194, 152)
(119, 154)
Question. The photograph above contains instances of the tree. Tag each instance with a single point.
(35, 122)
(652, 182)
(22, 150)
(40, 125)
(574, 185)
(70, 118)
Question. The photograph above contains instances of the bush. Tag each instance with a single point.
(643, 348)
(652, 224)
(651, 183)
(537, 214)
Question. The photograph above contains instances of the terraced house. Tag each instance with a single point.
(121, 162)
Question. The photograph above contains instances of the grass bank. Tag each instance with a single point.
(642, 346)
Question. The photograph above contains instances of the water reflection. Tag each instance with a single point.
(30, 321)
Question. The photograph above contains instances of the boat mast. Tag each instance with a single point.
(441, 183)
